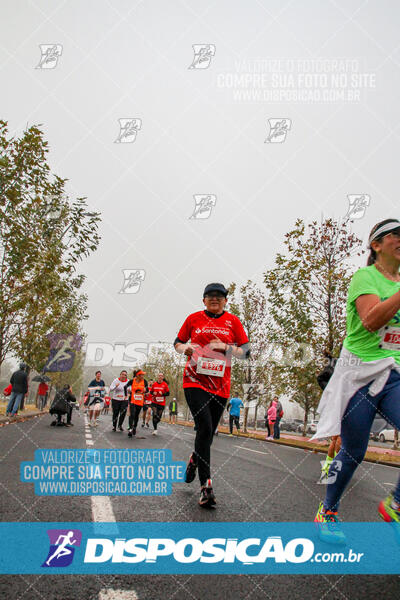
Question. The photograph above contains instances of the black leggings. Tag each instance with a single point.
(233, 419)
(157, 414)
(119, 408)
(206, 409)
(134, 415)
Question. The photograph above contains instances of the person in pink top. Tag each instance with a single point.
(271, 419)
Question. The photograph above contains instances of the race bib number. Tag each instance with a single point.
(390, 338)
(138, 397)
(211, 366)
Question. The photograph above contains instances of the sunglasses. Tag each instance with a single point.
(395, 234)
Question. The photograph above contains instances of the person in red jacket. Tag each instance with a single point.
(215, 336)
(159, 390)
(41, 395)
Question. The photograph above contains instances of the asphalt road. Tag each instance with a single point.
(253, 481)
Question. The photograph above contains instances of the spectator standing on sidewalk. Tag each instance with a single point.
(271, 415)
(173, 411)
(42, 395)
(19, 382)
(279, 415)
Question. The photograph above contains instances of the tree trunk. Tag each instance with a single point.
(306, 411)
(255, 417)
(245, 417)
(396, 439)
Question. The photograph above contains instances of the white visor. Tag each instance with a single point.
(387, 228)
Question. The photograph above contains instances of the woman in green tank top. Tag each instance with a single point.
(372, 348)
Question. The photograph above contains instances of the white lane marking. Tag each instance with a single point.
(251, 450)
(102, 511)
(110, 594)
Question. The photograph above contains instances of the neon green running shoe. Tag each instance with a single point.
(387, 511)
(329, 529)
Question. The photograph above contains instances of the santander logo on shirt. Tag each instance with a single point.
(216, 330)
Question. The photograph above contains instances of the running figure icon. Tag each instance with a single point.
(62, 547)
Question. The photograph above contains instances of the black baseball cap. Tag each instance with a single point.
(215, 287)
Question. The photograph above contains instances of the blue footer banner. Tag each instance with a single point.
(199, 548)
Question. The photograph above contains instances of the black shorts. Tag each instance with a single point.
(145, 407)
(158, 406)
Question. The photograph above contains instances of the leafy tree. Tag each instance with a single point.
(307, 290)
(43, 237)
(249, 303)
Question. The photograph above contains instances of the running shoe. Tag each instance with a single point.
(328, 526)
(389, 511)
(142, 424)
(155, 432)
(133, 430)
(230, 434)
(207, 498)
(147, 424)
(114, 429)
(191, 469)
(129, 432)
(121, 428)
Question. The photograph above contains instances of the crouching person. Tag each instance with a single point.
(63, 405)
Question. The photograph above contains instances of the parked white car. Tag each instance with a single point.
(386, 435)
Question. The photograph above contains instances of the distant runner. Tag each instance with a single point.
(138, 387)
(148, 401)
(159, 390)
(233, 408)
(119, 400)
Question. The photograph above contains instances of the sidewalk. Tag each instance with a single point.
(29, 412)
(374, 454)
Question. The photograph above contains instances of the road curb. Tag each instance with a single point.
(307, 446)
(20, 418)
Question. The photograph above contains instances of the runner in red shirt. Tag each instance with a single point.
(148, 401)
(215, 335)
(159, 391)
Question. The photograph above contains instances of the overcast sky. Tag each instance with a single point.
(202, 132)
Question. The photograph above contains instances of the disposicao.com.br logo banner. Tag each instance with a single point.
(196, 548)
